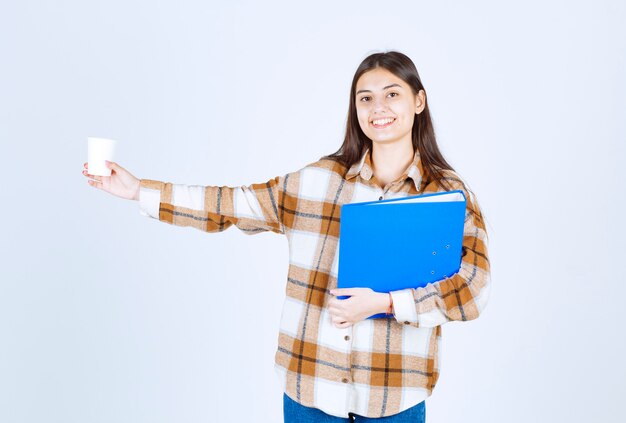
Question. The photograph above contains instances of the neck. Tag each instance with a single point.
(390, 160)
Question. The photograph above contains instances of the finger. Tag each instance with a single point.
(343, 325)
(94, 177)
(333, 311)
(338, 323)
(336, 310)
(337, 314)
(333, 302)
(339, 319)
(95, 184)
(344, 291)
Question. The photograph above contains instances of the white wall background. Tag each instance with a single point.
(108, 316)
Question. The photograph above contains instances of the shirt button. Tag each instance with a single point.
(347, 338)
(344, 380)
(380, 198)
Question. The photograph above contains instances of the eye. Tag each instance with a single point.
(364, 98)
(394, 94)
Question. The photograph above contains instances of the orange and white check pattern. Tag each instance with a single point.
(377, 367)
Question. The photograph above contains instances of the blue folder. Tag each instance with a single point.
(400, 243)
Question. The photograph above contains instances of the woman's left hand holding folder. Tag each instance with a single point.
(363, 303)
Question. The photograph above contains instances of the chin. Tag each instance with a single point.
(384, 140)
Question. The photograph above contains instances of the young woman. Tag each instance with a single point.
(335, 365)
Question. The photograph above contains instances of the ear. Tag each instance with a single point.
(420, 102)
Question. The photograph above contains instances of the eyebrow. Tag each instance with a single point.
(388, 86)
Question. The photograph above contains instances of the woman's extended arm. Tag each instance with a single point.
(253, 209)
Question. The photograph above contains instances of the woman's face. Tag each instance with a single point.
(386, 106)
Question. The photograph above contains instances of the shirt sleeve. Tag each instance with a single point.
(462, 296)
(252, 208)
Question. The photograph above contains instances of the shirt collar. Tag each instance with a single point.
(364, 168)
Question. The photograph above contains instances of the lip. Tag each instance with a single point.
(383, 126)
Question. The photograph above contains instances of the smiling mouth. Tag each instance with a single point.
(382, 123)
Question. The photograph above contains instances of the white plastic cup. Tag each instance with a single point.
(99, 150)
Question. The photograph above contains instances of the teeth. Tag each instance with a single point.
(382, 121)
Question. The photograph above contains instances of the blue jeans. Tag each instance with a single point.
(297, 413)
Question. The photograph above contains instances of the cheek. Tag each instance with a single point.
(362, 117)
(411, 119)
(409, 109)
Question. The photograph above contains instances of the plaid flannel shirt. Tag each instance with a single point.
(377, 367)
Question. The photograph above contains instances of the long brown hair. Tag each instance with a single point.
(423, 135)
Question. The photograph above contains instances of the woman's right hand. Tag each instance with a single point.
(121, 183)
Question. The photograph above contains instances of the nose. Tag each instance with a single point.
(380, 105)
